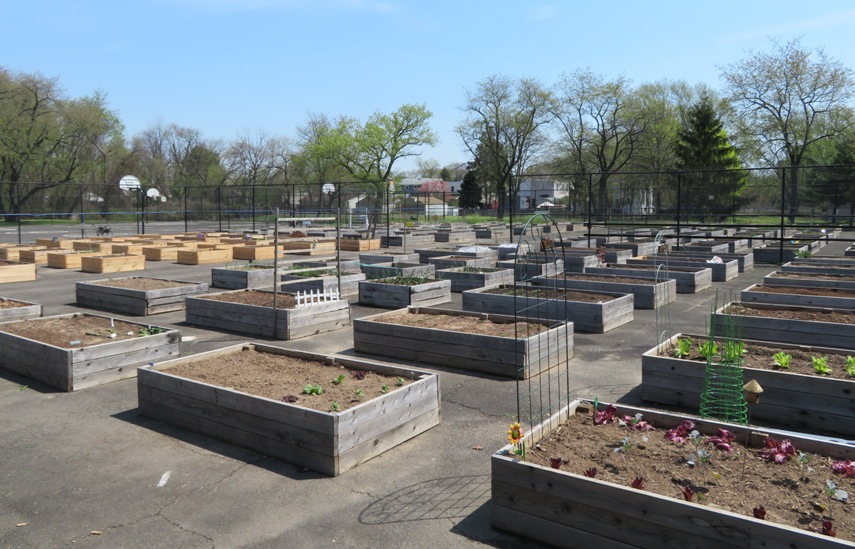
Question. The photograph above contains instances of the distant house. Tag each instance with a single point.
(427, 206)
(536, 191)
(426, 185)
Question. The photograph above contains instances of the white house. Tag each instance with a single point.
(537, 190)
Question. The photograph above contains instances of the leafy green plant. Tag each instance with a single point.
(708, 349)
(804, 254)
(400, 382)
(683, 348)
(732, 351)
(782, 360)
(359, 394)
(150, 330)
(850, 366)
(820, 365)
(384, 388)
(313, 389)
(803, 460)
(339, 380)
(334, 406)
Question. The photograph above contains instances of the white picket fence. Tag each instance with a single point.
(311, 297)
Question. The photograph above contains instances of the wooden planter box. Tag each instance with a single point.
(328, 442)
(611, 256)
(359, 245)
(801, 402)
(831, 299)
(524, 270)
(375, 293)
(55, 243)
(34, 256)
(99, 294)
(425, 254)
(254, 320)
(451, 261)
(162, 253)
(15, 271)
(745, 261)
(564, 509)
(809, 280)
(13, 253)
(813, 268)
(638, 247)
(646, 295)
(128, 248)
(596, 318)
(386, 270)
(309, 247)
(454, 236)
(721, 272)
(254, 253)
(799, 332)
(85, 246)
(388, 258)
(462, 280)
(242, 278)
(66, 259)
(690, 280)
(500, 356)
(349, 283)
(112, 263)
(70, 369)
(202, 256)
(20, 311)
(771, 254)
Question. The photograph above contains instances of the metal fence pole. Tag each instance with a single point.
(783, 213)
(219, 209)
(185, 210)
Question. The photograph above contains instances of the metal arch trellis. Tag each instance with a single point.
(540, 300)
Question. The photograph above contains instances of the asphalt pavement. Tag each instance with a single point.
(85, 469)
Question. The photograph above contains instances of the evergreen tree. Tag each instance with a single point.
(470, 191)
(712, 182)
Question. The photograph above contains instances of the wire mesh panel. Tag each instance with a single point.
(537, 307)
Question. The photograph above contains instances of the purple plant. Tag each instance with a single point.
(688, 493)
(606, 416)
(591, 473)
(555, 462)
(638, 483)
(759, 512)
(778, 451)
(845, 468)
(358, 374)
(290, 399)
(828, 529)
(680, 433)
(722, 441)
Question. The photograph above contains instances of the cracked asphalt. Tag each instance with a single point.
(86, 470)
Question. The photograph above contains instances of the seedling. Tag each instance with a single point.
(335, 407)
(339, 380)
(400, 382)
(638, 483)
(360, 393)
(803, 460)
(688, 493)
(358, 374)
(732, 351)
(150, 330)
(782, 360)
(820, 365)
(555, 462)
(708, 349)
(850, 366)
(313, 389)
(384, 388)
(684, 347)
(591, 473)
(759, 512)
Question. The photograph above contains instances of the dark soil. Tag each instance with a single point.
(804, 276)
(142, 283)
(761, 357)
(819, 315)
(460, 323)
(607, 278)
(12, 304)
(253, 297)
(276, 377)
(548, 293)
(61, 331)
(738, 482)
(804, 290)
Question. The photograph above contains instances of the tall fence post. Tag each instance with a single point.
(82, 215)
(185, 210)
(783, 213)
(590, 206)
(679, 204)
(253, 207)
(219, 209)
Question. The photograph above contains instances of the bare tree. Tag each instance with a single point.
(505, 128)
(789, 99)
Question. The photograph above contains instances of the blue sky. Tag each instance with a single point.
(231, 67)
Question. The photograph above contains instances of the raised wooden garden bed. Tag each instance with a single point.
(425, 254)
(801, 296)
(811, 280)
(254, 253)
(85, 246)
(237, 313)
(35, 256)
(386, 270)
(566, 509)
(638, 247)
(13, 253)
(205, 255)
(790, 324)
(55, 243)
(137, 295)
(450, 261)
(242, 277)
(647, 293)
(470, 278)
(13, 309)
(599, 312)
(805, 403)
(359, 244)
(388, 258)
(528, 269)
(392, 295)
(308, 247)
(349, 283)
(112, 263)
(772, 253)
(721, 272)
(75, 365)
(16, 271)
(690, 280)
(744, 260)
(67, 259)
(508, 356)
(842, 268)
(327, 442)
